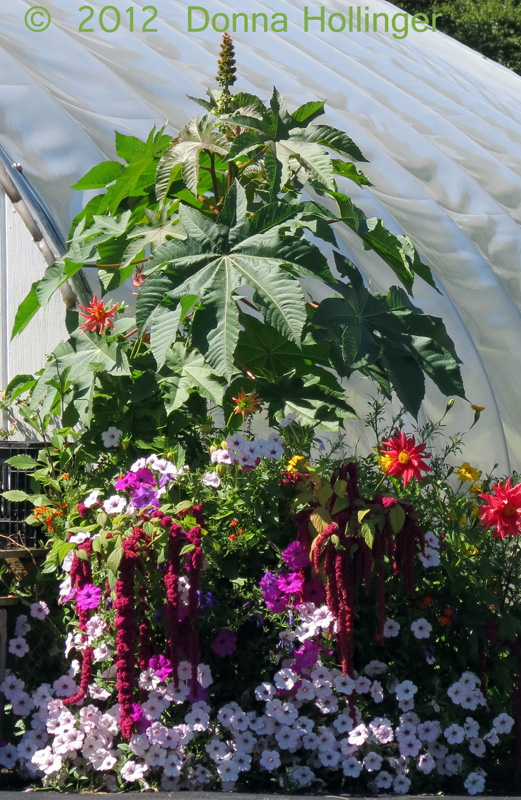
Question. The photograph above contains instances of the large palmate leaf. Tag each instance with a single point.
(294, 146)
(215, 261)
(195, 137)
(77, 362)
(316, 399)
(265, 353)
(375, 333)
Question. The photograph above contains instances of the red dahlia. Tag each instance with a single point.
(503, 511)
(405, 457)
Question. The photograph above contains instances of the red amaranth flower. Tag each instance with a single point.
(503, 511)
(406, 457)
(81, 577)
(96, 315)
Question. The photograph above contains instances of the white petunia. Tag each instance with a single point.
(405, 690)
(211, 479)
(384, 780)
(454, 734)
(391, 628)
(39, 610)
(474, 783)
(477, 747)
(92, 498)
(372, 762)
(285, 679)
(133, 771)
(503, 723)
(351, 767)
(9, 756)
(18, 646)
(401, 784)
(432, 540)
(421, 628)
(426, 763)
(431, 557)
(111, 438)
(114, 504)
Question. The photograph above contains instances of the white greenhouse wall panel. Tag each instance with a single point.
(21, 263)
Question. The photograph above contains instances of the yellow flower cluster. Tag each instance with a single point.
(384, 462)
(297, 463)
(466, 473)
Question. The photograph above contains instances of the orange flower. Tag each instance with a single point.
(427, 601)
(233, 523)
(246, 403)
(406, 457)
(97, 316)
(445, 621)
(66, 476)
(240, 530)
(232, 536)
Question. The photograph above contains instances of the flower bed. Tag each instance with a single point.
(263, 623)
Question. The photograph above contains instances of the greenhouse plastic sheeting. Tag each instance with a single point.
(440, 125)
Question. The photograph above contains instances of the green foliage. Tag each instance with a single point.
(492, 27)
(225, 249)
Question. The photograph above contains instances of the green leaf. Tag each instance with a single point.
(99, 176)
(397, 517)
(165, 324)
(15, 495)
(186, 371)
(195, 137)
(308, 111)
(406, 377)
(23, 462)
(26, 310)
(127, 147)
(347, 170)
(367, 532)
(214, 262)
(330, 137)
(114, 560)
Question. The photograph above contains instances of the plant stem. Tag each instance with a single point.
(214, 179)
(253, 158)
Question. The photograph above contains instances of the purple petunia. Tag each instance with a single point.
(296, 556)
(145, 497)
(88, 597)
(273, 597)
(225, 643)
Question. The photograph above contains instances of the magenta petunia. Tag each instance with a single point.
(296, 556)
(88, 597)
(225, 643)
(289, 583)
(161, 666)
(306, 656)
